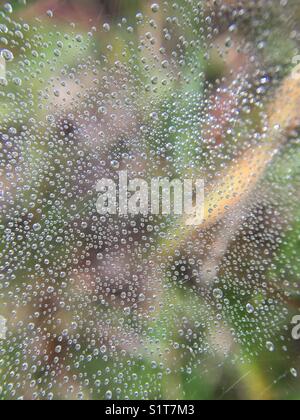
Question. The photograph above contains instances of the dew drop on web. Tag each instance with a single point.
(99, 103)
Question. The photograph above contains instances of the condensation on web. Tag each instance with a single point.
(144, 306)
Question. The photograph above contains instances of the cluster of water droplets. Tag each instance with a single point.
(110, 306)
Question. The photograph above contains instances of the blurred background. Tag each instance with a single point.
(101, 307)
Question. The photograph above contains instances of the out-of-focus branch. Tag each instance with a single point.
(236, 185)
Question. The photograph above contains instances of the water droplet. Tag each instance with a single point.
(37, 227)
(115, 164)
(250, 309)
(270, 346)
(108, 395)
(106, 27)
(127, 311)
(8, 7)
(7, 55)
(155, 7)
(139, 17)
(218, 294)
(294, 372)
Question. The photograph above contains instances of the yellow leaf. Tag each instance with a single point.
(237, 182)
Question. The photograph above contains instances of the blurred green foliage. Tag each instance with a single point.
(253, 372)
